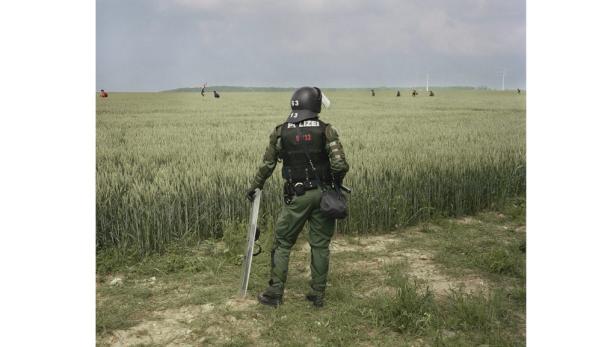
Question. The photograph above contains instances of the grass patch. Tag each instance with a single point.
(413, 310)
(515, 210)
(469, 312)
(121, 307)
(116, 316)
(457, 319)
(490, 244)
(506, 260)
(176, 258)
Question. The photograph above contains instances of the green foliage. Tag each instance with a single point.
(112, 317)
(172, 168)
(177, 258)
(413, 310)
(121, 310)
(460, 318)
(518, 295)
(234, 238)
(112, 259)
(491, 245)
(501, 259)
(426, 228)
(516, 209)
(475, 312)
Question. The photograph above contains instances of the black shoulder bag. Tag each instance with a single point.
(333, 202)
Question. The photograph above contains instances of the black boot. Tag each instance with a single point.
(270, 300)
(316, 299)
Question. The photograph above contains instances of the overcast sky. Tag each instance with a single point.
(150, 45)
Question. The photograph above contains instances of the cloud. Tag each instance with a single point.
(330, 42)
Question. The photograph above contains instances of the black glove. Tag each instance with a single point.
(250, 194)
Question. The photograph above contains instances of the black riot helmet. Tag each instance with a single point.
(305, 104)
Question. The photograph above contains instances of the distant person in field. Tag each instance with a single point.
(104, 93)
(431, 93)
(414, 93)
(216, 95)
(519, 91)
(398, 94)
(312, 161)
(203, 91)
(372, 92)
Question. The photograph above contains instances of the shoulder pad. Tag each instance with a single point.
(278, 129)
(331, 132)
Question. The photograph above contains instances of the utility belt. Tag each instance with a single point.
(299, 188)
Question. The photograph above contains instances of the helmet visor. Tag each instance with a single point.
(325, 101)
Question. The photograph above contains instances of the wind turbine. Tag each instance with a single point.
(503, 84)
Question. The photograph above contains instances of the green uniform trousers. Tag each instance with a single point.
(289, 225)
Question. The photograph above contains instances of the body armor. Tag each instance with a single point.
(300, 141)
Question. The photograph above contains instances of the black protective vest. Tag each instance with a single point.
(298, 139)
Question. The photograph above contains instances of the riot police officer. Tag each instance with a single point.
(312, 160)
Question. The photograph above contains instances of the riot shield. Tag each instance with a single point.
(252, 228)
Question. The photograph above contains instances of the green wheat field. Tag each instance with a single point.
(173, 167)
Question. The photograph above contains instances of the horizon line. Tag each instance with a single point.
(329, 87)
